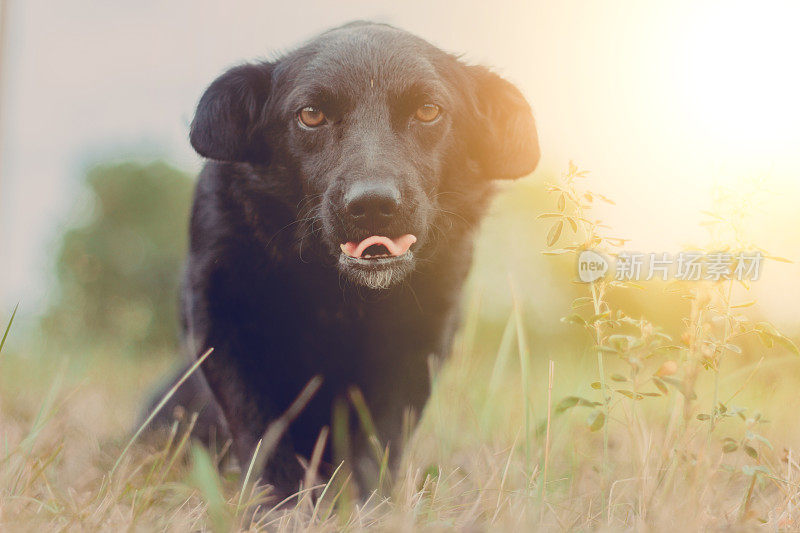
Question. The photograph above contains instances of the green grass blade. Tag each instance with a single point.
(503, 354)
(524, 363)
(158, 408)
(205, 477)
(8, 327)
(247, 475)
(324, 492)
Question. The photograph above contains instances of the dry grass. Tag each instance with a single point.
(470, 464)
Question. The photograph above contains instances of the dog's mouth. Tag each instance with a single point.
(377, 262)
(378, 247)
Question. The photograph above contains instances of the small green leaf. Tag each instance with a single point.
(555, 233)
(581, 301)
(572, 401)
(730, 447)
(567, 403)
(758, 437)
(661, 386)
(749, 450)
(618, 377)
(607, 349)
(789, 344)
(766, 340)
(574, 319)
(596, 420)
(779, 259)
(573, 224)
(622, 340)
(606, 199)
(557, 251)
(703, 416)
(597, 317)
(733, 348)
(750, 470)
(767, 329)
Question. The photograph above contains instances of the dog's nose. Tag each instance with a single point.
(372, 206)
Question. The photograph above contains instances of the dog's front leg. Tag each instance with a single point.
(247, 417)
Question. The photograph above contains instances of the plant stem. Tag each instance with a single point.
(547, 438)
(598, 337)
(718, 362)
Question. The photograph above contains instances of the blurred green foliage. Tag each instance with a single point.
(118, 273)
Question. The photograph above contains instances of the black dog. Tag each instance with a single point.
(333, 229)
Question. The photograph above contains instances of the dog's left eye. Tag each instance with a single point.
(311, 117)
(427, 112)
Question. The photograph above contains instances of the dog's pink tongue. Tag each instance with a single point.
(396, 247)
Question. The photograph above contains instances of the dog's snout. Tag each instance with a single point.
(372, 206)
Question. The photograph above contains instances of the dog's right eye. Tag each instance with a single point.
(427, 112)
(311, 117)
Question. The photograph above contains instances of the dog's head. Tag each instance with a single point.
(386, 140)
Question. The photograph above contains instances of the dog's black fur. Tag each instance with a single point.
(266, 284)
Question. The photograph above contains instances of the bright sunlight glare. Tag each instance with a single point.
(741, 81)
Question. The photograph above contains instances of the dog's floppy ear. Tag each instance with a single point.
(504, 140)
(227, 122)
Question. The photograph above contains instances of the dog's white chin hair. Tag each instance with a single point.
(376, 279)
(376, 274)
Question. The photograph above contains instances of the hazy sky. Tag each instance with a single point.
(659, 100)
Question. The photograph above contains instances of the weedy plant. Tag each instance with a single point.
(716, 329)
